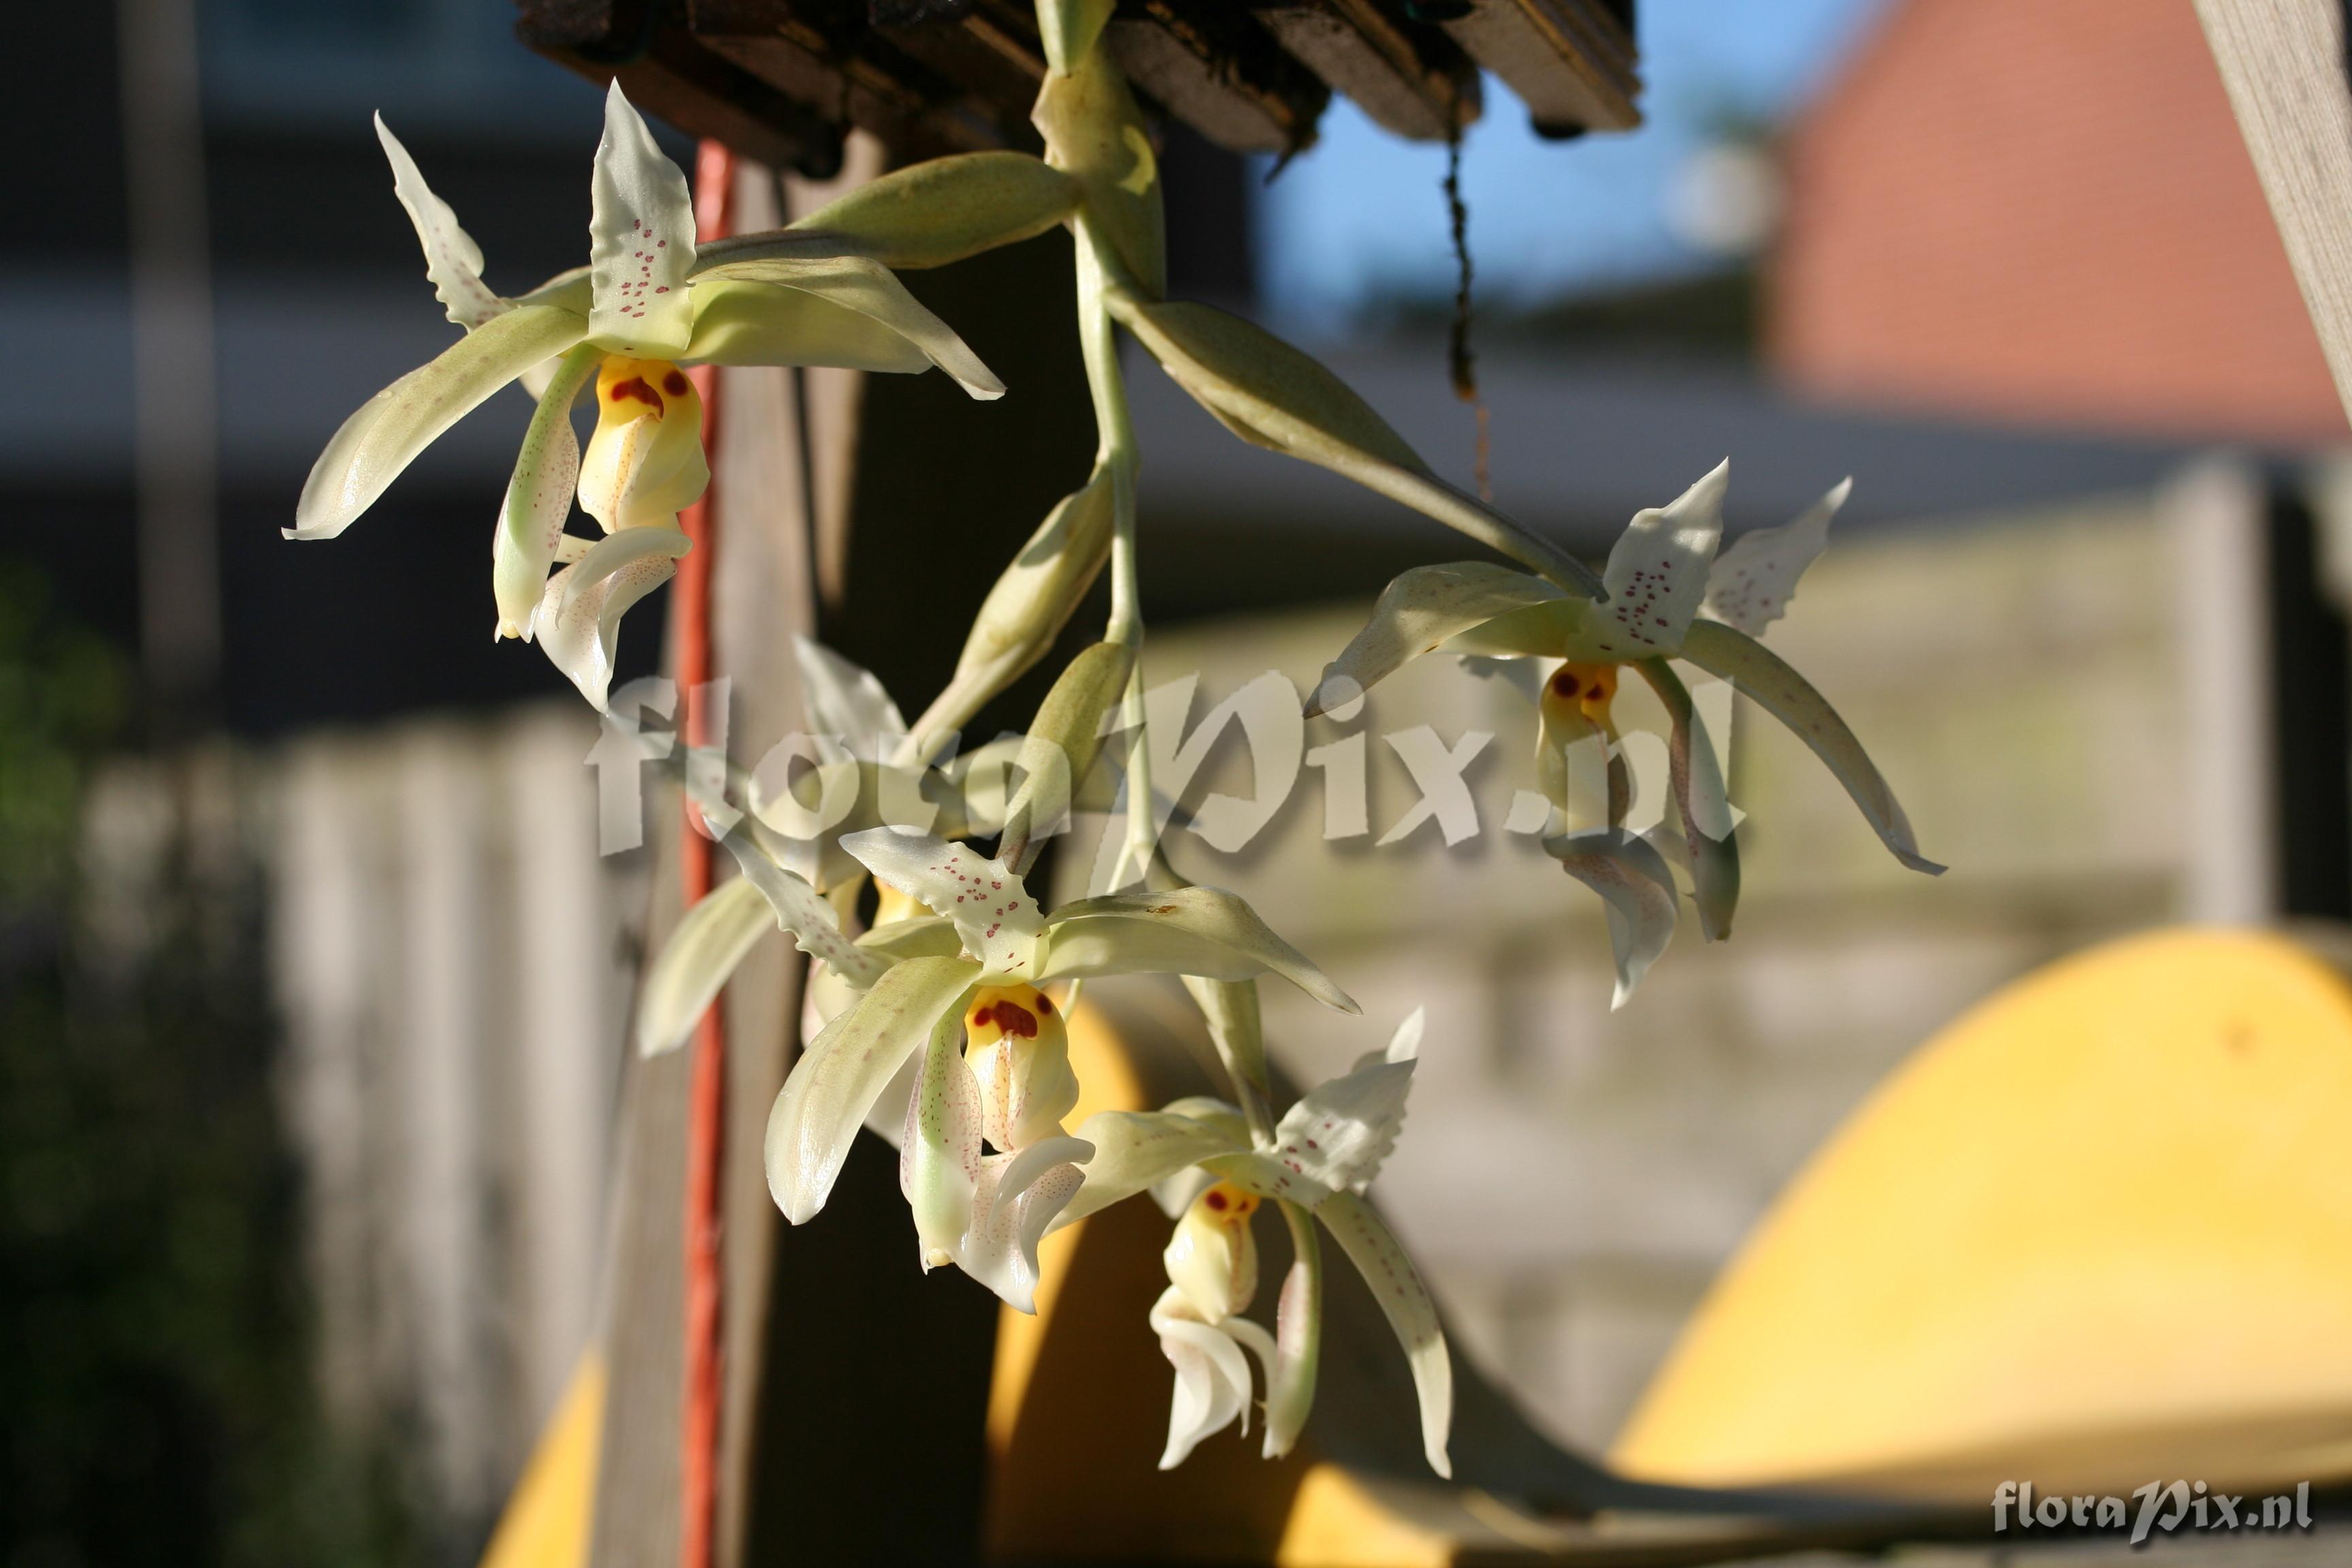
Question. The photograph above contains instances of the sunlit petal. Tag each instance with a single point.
(1755, 576)
(993, 913)
(1183, 931)
(452, 260)
(1416, 613)
(1762, 676)
(578, 622)
(1372, 1247)
(683, 979)
(1018, 1199)
(938, 1159)
(1657, 573)
(842, 1072)
(641, 241)
(538, 496)
(1637, 890)
(387, 432)
(1134, 1149)
(847, 700)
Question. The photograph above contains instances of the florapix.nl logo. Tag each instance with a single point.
(2159, 1506)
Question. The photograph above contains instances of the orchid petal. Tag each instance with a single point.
(578, 622)
(387, 432)
(1019, 1198)
(1404, 1045)
(538, 496)
(847, 700)
(1213, 1377)
(938, 1159)
(1368, 1243)
(1755, 576)
(1709, 850)
(1269, 1177)
(1766, 679)
(640, 241)
(872, 291)
(1205, 931)
(1657, 572)
(453, 262)
(1134, 1149)
(844, 1070)
(801, 911)
(1416, 613)
(704, 950)
(738, 322)
(993, 913)
(926, 936)
(1290, 1370)
(1637, 890)
(1340, 1131)
(1270, 393)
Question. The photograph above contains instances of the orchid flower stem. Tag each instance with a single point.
(1115, 452)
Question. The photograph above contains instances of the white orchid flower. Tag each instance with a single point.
(962, 1024)
(1197, 1159)
(648, 302)
(1671, 596)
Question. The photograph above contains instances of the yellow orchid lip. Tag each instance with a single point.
(651, 384)
(1591, 686)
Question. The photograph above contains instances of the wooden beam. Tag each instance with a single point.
(2283, 64)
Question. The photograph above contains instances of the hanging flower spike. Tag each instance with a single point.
(647, 301)
(1671, 596)
(986, 1212)
(1323, 1153)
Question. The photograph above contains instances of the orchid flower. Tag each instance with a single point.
(961, 1024)
(1670, 596)
(648, 303)
(1198, 1159)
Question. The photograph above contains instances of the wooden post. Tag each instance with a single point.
(2284, 64)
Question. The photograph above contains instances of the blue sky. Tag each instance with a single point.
(1362, 216)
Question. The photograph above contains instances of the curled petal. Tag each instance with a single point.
(1018, 1198)
(1135, 1149)
(538, 496)
(1755, 576)
(387, 432)
(640, 241)
(870, 289)
(578, 621)
(1637, 890)
(1372, 1247)
(992, 911)
(1290, 1371)
(452, 260)
(1205, 931)
(1764, 678)
(1417, 612)
(1213, 1377)
(705, 949)
(843, 1072)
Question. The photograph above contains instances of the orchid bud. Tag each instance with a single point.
(644, 463)
(1063, 742)
(946, 209)
(1094, 132)
(1019, 1051)
(1038, 591)
(1213, 1257)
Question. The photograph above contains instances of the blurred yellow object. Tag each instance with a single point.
(546, 1521)
(2099, 1230)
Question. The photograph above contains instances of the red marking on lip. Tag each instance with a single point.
(642, 390)
(1011, 1018)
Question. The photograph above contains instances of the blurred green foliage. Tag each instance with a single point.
(159, 1407)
